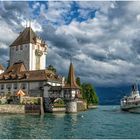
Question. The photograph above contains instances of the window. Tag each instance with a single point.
(21, 47)
(15, 85)
(23, 86)
(41, 84)
(2, 87)
(8, 86)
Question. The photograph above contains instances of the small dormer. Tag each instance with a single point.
(1, 69)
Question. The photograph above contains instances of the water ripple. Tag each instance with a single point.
(105, 122)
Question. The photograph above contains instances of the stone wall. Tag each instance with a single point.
(20, 109)
(34, 109)
(81, 105)
(30, 100)
(62, 109)
(71, 106)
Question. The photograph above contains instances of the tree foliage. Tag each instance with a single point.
(88, 92)
(50, 67)
(78, 81)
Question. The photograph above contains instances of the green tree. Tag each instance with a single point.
(88, 93)
(50, 67)
(78, 81)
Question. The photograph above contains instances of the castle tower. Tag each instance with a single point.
(71, 91)
(29, 49)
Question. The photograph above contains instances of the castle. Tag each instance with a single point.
(27, 72)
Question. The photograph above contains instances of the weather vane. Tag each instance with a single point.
(70, 58)
(30, 23)
(26, 24)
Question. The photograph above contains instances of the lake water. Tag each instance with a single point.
(104, 122)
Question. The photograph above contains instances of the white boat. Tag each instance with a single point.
(131, 103)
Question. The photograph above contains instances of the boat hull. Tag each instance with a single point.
(132, 109)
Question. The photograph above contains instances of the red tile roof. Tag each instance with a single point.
(18, 72)
(25, 37)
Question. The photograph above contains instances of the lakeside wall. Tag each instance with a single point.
(35, 109)
(81, 106)
(19, 109)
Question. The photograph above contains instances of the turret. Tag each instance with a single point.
(71, 91)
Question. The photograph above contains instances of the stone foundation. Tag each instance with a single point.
(20, 109)
(81, 105)
(62, 109)
(71, 107)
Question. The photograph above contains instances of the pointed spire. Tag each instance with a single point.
(71, 82)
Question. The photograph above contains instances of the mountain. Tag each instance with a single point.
(112, 95)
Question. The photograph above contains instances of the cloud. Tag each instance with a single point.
(102, 37)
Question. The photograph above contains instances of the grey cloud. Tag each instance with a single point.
(4, 56)
(105, 49)
(64, 44)
(14, 10)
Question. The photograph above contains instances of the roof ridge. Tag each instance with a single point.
(25, 37)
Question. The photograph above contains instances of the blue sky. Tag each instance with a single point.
(102, 37)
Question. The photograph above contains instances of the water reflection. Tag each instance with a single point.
(59, 115)
(70, 122)
(103, 122)
(13, 125)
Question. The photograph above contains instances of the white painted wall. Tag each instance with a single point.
(54, 84)
(30, 86)
(12, 90)
(27, 55)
